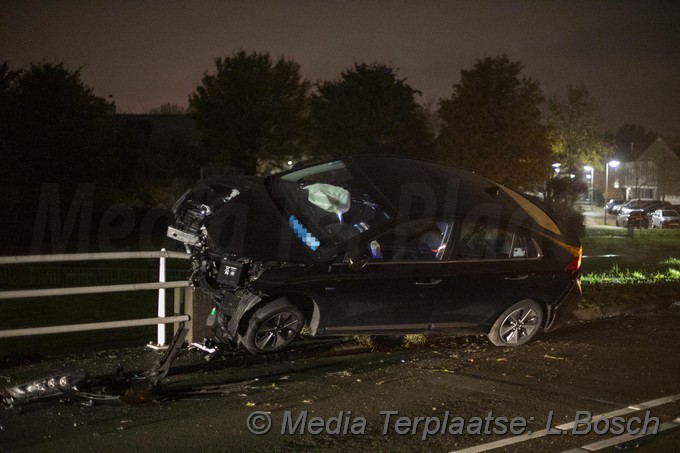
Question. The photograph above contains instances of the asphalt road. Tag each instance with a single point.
(601, 367)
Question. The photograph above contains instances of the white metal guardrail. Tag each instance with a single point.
(161, 286)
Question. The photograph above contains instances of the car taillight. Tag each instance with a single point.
(575, 264)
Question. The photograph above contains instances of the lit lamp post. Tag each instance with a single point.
(589, 176)
(613, 164)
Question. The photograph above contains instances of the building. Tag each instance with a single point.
(157, 129)
(655, 174)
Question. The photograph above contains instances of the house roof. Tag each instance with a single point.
(661, 153)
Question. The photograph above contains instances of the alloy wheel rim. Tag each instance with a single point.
(277, 331)
(519, 325)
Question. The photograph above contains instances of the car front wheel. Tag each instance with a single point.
(517, 325)
(273, 327)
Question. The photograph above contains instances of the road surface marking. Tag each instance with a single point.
(567, 426)
(616, 440)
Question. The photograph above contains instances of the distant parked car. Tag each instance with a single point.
(665, 218)
(612, 203)
(649, 209)
(638, 203)
(631, 204)
(633, 218)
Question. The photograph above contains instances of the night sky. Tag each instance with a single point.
(147, 53)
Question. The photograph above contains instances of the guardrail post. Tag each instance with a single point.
(161, 300)
(178, 302)
(183, 302)
(189, 310)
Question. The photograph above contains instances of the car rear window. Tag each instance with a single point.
(485, 240)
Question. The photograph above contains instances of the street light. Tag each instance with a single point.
(613, 164)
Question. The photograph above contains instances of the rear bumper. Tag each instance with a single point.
(563, 311)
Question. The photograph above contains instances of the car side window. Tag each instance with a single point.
(482, 240)
(420, 240)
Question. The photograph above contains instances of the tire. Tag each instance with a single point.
(273, 327)
(517, 325)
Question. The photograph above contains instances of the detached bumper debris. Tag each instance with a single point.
(114, 388)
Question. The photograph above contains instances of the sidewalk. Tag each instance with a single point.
(594, 216)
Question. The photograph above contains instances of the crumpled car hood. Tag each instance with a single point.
(249, 224)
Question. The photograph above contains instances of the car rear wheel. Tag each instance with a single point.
(273, 327)
(517, 325)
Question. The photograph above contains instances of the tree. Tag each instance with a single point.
(51, 130)
(369, 110)
(492, 125)
(10, 160)
(575, 136)
(252, 109)
(50, 124)
(7, 78)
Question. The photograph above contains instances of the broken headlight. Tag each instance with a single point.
(40, 388)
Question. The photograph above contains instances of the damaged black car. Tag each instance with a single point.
(375, 245)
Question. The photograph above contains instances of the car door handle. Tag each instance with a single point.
(519, 277)
(430, 283)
